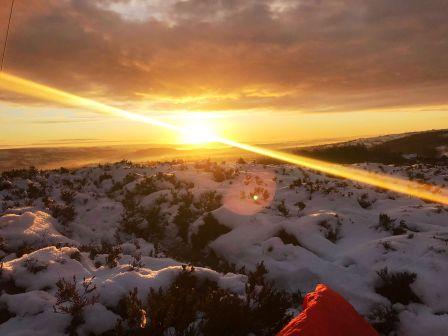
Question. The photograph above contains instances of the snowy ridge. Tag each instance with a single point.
(306, 227)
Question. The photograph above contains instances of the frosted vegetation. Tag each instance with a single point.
(208, 248)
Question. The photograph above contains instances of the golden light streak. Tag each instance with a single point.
(26, 87)
(416, 189)
(432, 193)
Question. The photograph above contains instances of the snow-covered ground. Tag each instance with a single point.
(306, 227)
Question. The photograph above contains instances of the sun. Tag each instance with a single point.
(198, 132)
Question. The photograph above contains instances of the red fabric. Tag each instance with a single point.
(326, 313)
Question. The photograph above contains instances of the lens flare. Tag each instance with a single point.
(420, 190)
(26, 87)
(431, 193)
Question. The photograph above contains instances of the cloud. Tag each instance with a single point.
(308, 56)
(71, 142)
(59, 121)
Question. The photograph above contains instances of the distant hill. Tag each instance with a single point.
(428, 146)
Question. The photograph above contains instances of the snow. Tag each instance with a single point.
(340, 243)
(32, 228)
(98, 319)
(37, 301)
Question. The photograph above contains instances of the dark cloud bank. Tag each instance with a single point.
(332, 55)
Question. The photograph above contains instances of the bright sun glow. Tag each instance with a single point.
(198, 132)
(201, 132)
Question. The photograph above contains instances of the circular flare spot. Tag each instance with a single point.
(250, 192)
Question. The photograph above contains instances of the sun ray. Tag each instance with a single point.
(19, 85)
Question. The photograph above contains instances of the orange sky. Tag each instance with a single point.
(256, 71)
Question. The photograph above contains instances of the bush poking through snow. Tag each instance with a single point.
(68, 196)
(208, 201)
(73, 302)
(26, 174)
(384, 319)
(113, 256)
(387, 245)
(24, 249)
(63, 213)
(396, 286)
(154, 223)
(296, 183)
(145, 187)
(132, 311)
(388, 224)
(221, 174)
(197, 306)
(35, 191)
(75, 255)
(365, 202)
(268, 306)
(178, 223)
(136, 262)
(241, 161)
(287, 238)
(385, 222)
(225, 313)
(103, 177)
(332, 231)
(184, 217)
(167, 307)
(283, 209)
(34, 266)
(301, 205)
(209, 231)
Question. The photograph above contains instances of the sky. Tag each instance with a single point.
(255, 71)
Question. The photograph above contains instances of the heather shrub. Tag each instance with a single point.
(103, 177)
(132, 312)
(63, 213)
(296, 183)
(301, 205)
(24, 249)
(208, 201)
(269, 306)
(283, 209)
(68, 196)
(71, 301)
(385, 222)
(26, 174)
(365, 202)
(396, 286)
(209, 231)
(384, 319)
(132, 222)
(287, 238)
(225, 312)
(167, 307)
(388, 224)
(35, 191)
(145, 187)
(259, 193)
(184, 217)
(219, 174)
(136, 262)
(34, 266)
(154, 223)
(113, 256)
(75, 255)
(196, 306)
(332, 231)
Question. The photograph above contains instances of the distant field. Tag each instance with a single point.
(429, 146)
